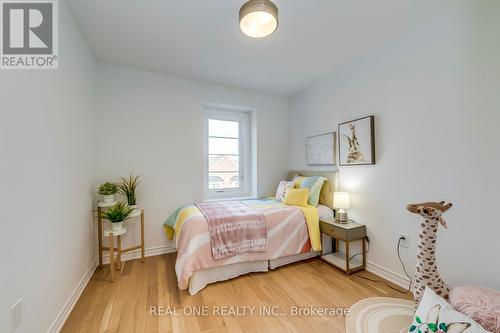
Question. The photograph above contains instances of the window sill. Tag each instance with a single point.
(211, 199)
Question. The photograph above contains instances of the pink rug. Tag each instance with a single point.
(479, 303)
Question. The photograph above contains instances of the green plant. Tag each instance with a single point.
(118, 212)
(108, 188)
(128, 186)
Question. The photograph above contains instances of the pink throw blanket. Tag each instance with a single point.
(234, 228)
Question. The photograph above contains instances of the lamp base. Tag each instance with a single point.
(342, 216)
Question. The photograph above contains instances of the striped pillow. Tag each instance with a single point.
(282, 187)
(314, 184)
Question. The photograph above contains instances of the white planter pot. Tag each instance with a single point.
(117, 226)
(108, 198)
(135, 208)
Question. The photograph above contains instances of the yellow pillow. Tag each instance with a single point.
(296, 196)
(298, 180)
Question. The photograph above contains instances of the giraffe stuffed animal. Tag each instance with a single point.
(426, 272)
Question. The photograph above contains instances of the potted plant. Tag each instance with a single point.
(108, 190)
(117, 214)
(127, 187)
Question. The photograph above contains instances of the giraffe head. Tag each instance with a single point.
(430, 210)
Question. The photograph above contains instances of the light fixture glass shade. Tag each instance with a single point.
(258, 18)
(341, 200)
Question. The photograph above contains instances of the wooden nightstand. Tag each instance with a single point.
(348, 232)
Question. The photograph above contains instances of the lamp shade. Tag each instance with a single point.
(341, 200)
(258, 18)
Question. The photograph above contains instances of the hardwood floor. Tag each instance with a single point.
(125, 305)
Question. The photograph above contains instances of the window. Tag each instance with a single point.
(215, 182)
(228, 154)
(235, 181)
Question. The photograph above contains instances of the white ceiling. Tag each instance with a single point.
(200, 39)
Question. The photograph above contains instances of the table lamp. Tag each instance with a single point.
(341, 202)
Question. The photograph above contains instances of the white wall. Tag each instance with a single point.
(153, 124)
(47, 142)
(436, 100)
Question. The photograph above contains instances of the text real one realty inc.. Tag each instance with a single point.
(241, 311)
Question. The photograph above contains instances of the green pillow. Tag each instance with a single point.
(314, 184)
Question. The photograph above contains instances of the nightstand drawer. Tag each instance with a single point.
(342, 233)
(331, 230)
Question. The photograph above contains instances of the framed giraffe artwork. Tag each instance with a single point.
(357, 142)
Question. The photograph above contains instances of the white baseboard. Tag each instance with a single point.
(387, 274)
(58, 322)
(136, 254)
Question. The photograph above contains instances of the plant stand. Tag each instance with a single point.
(110, 233)
(138, 213)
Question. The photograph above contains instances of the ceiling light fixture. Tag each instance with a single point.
(258, 18)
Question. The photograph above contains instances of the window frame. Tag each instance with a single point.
(244, 120)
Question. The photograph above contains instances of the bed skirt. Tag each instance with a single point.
(200, 279)
(275, 263)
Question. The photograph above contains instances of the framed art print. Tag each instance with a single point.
(320, 149)
(357, 142)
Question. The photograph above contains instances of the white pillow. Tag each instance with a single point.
(434, 314)
(282, 187)
(325, 212)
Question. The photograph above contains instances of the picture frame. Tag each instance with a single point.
(357, 142)
(321, 149)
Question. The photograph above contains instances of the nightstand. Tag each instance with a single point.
(348, 233)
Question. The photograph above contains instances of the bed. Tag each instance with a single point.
(288, 239)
